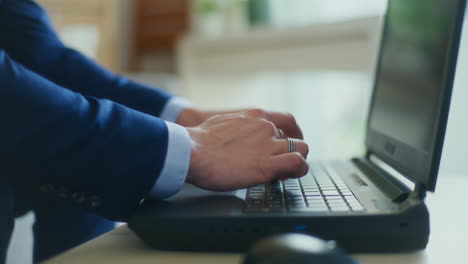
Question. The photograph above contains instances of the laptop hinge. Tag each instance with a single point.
(419, 192)
(391, 186)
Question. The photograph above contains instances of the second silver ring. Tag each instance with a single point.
(291, 145)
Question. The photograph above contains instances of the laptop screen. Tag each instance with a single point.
(413, 84)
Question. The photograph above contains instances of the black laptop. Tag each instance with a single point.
(373, 203)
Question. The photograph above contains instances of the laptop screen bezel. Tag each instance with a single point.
(416, 165)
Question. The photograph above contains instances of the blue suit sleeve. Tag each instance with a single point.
(51, 136)
(28, 37)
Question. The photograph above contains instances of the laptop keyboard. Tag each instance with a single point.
(316, 192)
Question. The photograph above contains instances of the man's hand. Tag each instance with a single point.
(192, 117)
(239, 150)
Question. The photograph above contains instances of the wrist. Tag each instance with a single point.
(194, 157)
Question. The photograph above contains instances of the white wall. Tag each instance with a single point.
(455, 155)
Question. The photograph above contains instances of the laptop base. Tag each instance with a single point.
(399, 232)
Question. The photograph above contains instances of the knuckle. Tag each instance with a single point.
(257, 112)
(267, 126)
(290, 118)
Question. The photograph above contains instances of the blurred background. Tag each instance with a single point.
(310, 57)
(314, 58)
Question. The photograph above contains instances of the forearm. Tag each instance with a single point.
(51, 135)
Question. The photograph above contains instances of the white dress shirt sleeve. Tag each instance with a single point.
(176, 165)
(173, 108)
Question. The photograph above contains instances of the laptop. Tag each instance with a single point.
(373, 203)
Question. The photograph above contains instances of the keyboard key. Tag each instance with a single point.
(254, 197)
(290, 180)
(311, 203)
(274, 194)
(309, 185)
(317, 205)
(307, 180)
(290, 193)
(305, 188)
(331, 193)
(293, 189)
(337, 205)
(296, 204)
(312, 193)
(314, 198)
(296, 198)
(254, 202)
(334, 198)
(274, 206)
(273, 202)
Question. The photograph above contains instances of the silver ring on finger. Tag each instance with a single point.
(281, 133)
(291, 145)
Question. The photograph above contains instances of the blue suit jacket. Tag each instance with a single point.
(68, 124)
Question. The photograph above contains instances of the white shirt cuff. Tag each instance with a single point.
(173, 107)
(176, 165)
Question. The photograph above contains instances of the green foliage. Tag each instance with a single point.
(208, 6)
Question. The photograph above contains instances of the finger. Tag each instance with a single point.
(287, 123)
(289, 165)
(282, 146)
(280, 134)
(220, 117)
(257, 113)
(284, 177)
(284, 121)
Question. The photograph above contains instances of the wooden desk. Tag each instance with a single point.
(448, 241)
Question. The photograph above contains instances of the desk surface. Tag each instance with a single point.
(447, 244)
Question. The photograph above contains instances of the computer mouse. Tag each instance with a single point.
(296, 249)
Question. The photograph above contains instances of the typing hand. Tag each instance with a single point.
(239, 150)
(192, 117)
